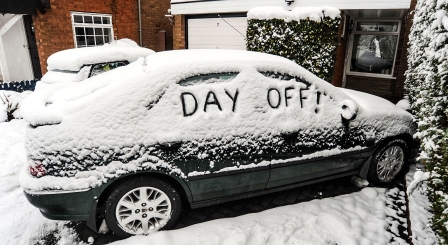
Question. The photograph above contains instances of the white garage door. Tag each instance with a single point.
(214, 33)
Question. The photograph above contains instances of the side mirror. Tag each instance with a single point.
(349, 109)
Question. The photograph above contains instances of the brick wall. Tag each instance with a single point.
(54, 29)
(154, 21)
(179, 32)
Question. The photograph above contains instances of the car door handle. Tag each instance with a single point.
(169, 146)
(290, 136)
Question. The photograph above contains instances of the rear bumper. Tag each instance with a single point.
(64, 205)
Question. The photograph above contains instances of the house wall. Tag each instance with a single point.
(54, 29)
(154, 21)
(179, 32)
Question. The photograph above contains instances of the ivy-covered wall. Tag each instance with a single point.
(311, 44)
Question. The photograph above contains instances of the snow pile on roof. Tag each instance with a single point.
(297, 14)
(359, 218)
(74, 59)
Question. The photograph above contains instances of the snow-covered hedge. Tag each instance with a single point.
(426, 83)
(308, 36)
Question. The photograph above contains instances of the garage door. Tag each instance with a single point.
(214, 33)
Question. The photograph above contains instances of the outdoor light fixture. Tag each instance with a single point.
(288, 2)
(170, 18)
(351, 25)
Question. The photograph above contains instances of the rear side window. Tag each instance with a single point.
(209, 78)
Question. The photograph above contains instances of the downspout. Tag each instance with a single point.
(140, 23)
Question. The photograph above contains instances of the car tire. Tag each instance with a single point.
(141, 206)
(388, 161)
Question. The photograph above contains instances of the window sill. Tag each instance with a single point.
(360, 74)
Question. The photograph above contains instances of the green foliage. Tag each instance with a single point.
(426, 83)
(309, 43)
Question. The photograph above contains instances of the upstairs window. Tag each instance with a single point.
(91, 29)
(374, 48)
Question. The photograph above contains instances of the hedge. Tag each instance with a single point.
(309, 43)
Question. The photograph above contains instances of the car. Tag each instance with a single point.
(77, 64)
(130, 148)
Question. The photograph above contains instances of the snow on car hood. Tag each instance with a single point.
(382, 113)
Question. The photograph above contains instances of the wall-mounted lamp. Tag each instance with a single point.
(170, 18)
(351, 25)
(288, 2)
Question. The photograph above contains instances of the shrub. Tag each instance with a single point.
(426, 83)
(311, 44)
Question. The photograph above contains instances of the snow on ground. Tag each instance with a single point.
(365, 217)
(419, 210)
(21, 222)
(357, 218)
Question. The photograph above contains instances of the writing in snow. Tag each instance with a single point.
(275, 98)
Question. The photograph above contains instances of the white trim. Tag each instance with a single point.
(54, 192)
(238, 6)
(93, 25)
(10, 23)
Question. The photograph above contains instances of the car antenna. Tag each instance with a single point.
(245, 38)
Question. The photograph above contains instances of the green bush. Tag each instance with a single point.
(309, 43)
(426, 83)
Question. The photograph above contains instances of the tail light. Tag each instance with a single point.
(37, 169)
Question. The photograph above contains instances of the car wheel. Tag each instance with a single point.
(388, 161)
(142, 206)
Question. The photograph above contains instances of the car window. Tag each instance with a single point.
(103, 67)
(209, 78)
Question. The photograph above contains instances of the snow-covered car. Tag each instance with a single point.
(77, 64)
(129, 148)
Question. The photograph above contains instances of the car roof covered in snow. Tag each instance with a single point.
(74, 59)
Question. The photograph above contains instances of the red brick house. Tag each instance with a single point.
(63, 24)
(197, 25)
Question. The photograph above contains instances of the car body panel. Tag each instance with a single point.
(222, 128)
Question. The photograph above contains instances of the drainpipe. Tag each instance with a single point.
(140, 23)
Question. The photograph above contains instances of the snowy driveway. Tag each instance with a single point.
(369, 216)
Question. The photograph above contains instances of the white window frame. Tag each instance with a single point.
(352, 38)
(93, 25)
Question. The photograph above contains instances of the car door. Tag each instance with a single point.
(208, 135)
(313, 140)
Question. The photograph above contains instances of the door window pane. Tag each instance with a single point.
(373, 53)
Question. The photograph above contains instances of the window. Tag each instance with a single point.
(208, 78)
(91, 29)
(374, 48)
(103, 67)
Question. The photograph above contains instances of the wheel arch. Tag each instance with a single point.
(96, 214)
